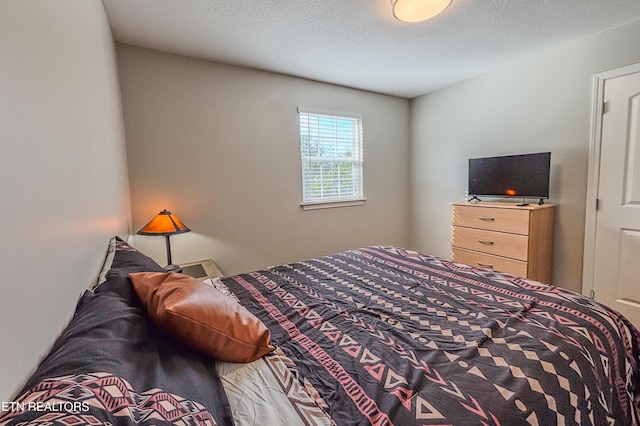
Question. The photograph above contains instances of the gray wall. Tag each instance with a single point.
(541, 104)
(218, 146)
(63, 170)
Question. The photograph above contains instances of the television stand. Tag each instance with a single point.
(541, 202)
(474, 198)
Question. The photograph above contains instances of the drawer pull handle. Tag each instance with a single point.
(488, 219)
(485, 265)
(489, 243)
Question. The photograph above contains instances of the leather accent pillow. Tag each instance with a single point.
(202, 317)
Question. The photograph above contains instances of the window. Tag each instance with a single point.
(331, 149)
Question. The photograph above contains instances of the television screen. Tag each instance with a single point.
(525, 175)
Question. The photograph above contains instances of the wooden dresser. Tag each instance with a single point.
(504, 237)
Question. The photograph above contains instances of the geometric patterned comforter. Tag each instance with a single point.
(110, 366)
(389, 336)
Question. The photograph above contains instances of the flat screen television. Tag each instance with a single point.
(524, 176)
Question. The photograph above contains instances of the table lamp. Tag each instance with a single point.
(165, 224)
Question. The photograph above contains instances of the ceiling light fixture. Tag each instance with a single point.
(417, 10)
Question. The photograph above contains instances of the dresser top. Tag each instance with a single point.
(504, 205)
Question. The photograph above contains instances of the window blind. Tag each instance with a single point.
(331, 149)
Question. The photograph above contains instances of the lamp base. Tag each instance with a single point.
(172, 268)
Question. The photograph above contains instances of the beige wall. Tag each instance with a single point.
(62, 167)
(541, 104)
(218, 146)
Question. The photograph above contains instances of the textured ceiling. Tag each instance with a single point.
(357, 43)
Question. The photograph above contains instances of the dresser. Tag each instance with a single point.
(504, 237)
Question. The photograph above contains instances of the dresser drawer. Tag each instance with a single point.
(514, 246)
(514, 221)
(501, 264)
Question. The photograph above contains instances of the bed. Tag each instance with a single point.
(374, 336)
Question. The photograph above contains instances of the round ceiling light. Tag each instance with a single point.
(417, 10)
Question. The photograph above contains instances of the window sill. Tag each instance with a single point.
(332, 204)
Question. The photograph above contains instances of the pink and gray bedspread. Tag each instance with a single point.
(374, 336)
(391, 336)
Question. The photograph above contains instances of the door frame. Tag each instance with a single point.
(595, 144)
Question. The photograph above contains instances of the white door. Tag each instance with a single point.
(617, 240)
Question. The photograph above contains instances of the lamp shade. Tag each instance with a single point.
(417, 10)
(165, 223)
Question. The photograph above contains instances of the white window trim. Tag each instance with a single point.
(317, 205)
(333, 202)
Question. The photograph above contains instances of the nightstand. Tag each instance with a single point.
(201, 269)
